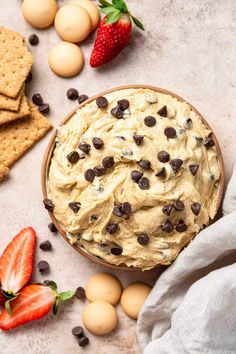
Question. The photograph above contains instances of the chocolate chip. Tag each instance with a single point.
(82, 98)
(143, 239)
(97, 143)
(150, 121)
(48, 204)
(125, 208)
(73, 157)
(108, 162)
(44, 109)
(193, 168)
(52, 227)
(83, 341)
(145, 164)
(29, 77)
(94, 218)
(199, 140)
(179, 205)
(167, 209)
(45, 246)
(89, 175)
(84, 147)
(163, 156)
(116, 250)
(99, 171)
(168, 226)
(78, 331)
(144, 183)
(123, 104)
(196, 208)
(136, 175)
(161, 173)
(102, 102)
(112, 228)
(170, 132)
(181, 227)
(209, 143)
(80, 293)
(117, 211)
(43, 266)
(176, 164)
(188, 123)
(163, 112)
(33, 39)
(117, 112)
(138, 139)
(37, 99)
(72, 94)
(75, 206)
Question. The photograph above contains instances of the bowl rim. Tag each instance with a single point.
(50, 147)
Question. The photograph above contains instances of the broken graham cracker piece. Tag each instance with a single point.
(18, 137)
(12, 104)
(9, 116)
(15, 62)
(3, 170)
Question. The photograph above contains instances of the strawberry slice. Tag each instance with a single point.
(33, 302)
(16, 262)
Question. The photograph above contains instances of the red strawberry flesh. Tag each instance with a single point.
(16, 262)
(34, 302)
(111, 39)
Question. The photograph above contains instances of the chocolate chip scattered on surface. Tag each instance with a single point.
(72, 94)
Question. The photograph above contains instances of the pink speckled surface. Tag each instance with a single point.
(188, 48)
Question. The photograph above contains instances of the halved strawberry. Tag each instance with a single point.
(33, 302)
(16, 262)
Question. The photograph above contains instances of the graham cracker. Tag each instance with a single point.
(9, 116)
(15, 62)
(3, 170)
(11, 104)
(18, 137)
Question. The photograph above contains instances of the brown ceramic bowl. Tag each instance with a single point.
(49, 151)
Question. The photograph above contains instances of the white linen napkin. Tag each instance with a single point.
(192, 307)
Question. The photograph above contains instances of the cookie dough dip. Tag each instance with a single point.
(134, 176)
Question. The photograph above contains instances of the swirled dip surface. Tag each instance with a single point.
(140, 218)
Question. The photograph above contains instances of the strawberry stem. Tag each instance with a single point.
(115, 10)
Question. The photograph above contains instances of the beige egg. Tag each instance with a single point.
(104, 287)
(133, 297)
(39, 13)
(66, 59)
(73, 23)
(92, 10)
(99, 317)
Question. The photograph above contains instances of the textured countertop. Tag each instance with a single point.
(188, 48)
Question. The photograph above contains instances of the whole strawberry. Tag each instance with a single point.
(113, 32)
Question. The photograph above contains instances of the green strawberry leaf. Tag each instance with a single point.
(9, 294)
(51, 284)
(113, 17)
(56, 306)
(138, 23)
(66, 295)
(107, 10)
(104, 3)
(120, 5)
(8, 306)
